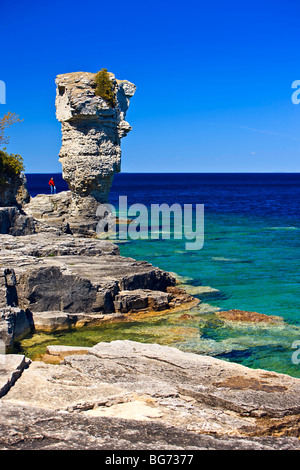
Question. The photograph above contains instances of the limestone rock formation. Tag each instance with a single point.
(90, 153)
(13, 197)
(14, 324)
(15, 222)
(91, 135)
(14, 192)
(53, 282)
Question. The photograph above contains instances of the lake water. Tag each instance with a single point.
(250, 255)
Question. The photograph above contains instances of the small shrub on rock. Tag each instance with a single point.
(105, 88)
(10, 166)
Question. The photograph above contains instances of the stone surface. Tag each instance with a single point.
(50, 210)
(14, 193)
(244, 316)
(15, 222)
(91, 135)
(11, 367)
(77, 284)
(62, 351)
(157, 395)
(138, 299)
(14, 324)
(50, 321)
(55, 282)
(42, 245)
(27, 428)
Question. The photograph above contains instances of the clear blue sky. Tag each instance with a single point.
(213, 79)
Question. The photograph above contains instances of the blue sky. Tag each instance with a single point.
(213, 79)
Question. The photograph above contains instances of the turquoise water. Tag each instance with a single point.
(250, 255)
(253, 266)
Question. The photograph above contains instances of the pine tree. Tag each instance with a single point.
(105, 87)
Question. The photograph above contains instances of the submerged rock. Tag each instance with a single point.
(244, 316)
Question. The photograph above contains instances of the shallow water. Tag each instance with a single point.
(250, 254)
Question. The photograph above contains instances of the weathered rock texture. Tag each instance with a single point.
(14, 191)
(52, 282)
(91, 135)
(128, 395)
(244, 316)
(50, 210)
(15, 222)
(90, 154)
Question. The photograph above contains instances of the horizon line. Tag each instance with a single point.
(186, 172)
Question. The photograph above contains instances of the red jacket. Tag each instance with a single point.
(51, 182)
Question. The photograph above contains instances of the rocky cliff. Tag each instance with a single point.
(91, 138)
(51, 280)
(14, 191)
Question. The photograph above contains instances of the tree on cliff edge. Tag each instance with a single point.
(105, 87)
(10, 165)
(6, 121)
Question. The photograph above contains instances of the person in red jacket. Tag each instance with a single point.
(52, 186)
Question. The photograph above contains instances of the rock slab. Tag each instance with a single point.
(53, 282)
(182, 400)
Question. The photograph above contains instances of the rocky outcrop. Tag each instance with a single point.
(139, 299)
(90, 153)
(52, 282)
(14, 324)
(28, 428)
(50, 210)
(128, 395)
(14, 191)
(15, 222)
(91, 136)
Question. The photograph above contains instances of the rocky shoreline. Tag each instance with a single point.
(56, 275)
(51, 282)
(123, 394)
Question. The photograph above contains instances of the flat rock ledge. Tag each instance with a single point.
(51, 282)
(126, 395)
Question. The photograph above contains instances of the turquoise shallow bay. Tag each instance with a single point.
(255, 269)
(250, 255)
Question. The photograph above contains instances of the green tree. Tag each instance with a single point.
(105, 88)
(6, 121)
(10, 165)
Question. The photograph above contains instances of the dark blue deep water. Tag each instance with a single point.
(250, 255)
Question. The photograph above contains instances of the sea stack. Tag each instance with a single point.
(91, 138)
